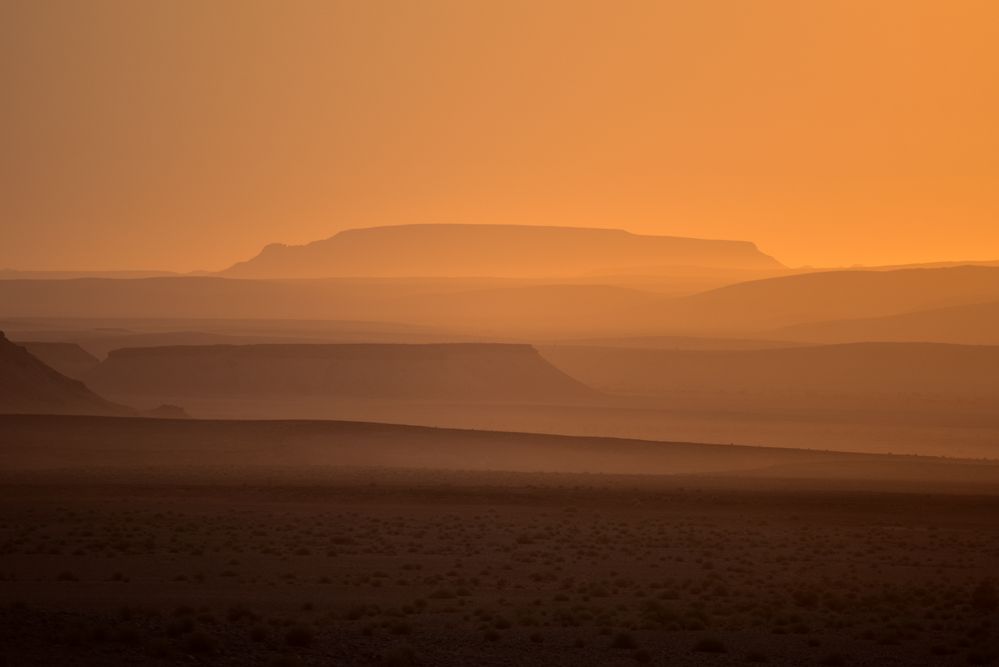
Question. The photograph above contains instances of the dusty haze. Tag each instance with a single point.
(188, 135)
(402, 333)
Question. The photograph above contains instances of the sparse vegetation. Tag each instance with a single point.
(585, 569)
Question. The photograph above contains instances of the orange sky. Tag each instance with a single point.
(188, 134)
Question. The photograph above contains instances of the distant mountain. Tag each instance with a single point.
(975, 324)
(493, 250)
(764, 305)
(68, 358)
(448, 371)
(29, 386)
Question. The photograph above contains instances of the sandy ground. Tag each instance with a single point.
(400, 567)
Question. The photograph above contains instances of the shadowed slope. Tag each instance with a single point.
(68, 358)
(29, 386)
(453, 371)
(492, 250)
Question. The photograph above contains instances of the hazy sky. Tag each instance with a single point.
(188, 134)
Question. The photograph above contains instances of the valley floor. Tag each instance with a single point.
(393, 567)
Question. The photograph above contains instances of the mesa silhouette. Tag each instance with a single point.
(30, 387)
(453, 371)
(492, 250)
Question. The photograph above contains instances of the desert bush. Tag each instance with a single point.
(642, 656)
(710, 645)
(984, 597)
(299, 636)
(399, 656)
(200, 642)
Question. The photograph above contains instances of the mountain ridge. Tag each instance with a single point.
(490, 250)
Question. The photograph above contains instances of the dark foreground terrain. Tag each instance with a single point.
(333, 565)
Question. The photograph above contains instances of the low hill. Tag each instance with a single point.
(463, 371)
(492, 250)
(975, 324)
(29, 386)
(68, 358)
(764, 305)
(90, 443)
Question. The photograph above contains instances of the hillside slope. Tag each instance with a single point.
(68, 358)
(763, 305)
(29, 386)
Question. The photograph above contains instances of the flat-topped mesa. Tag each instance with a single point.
(461, 371)
(494, 250)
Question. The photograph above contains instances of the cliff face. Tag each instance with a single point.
(447, 371)
(493, 250)
(30, 387)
